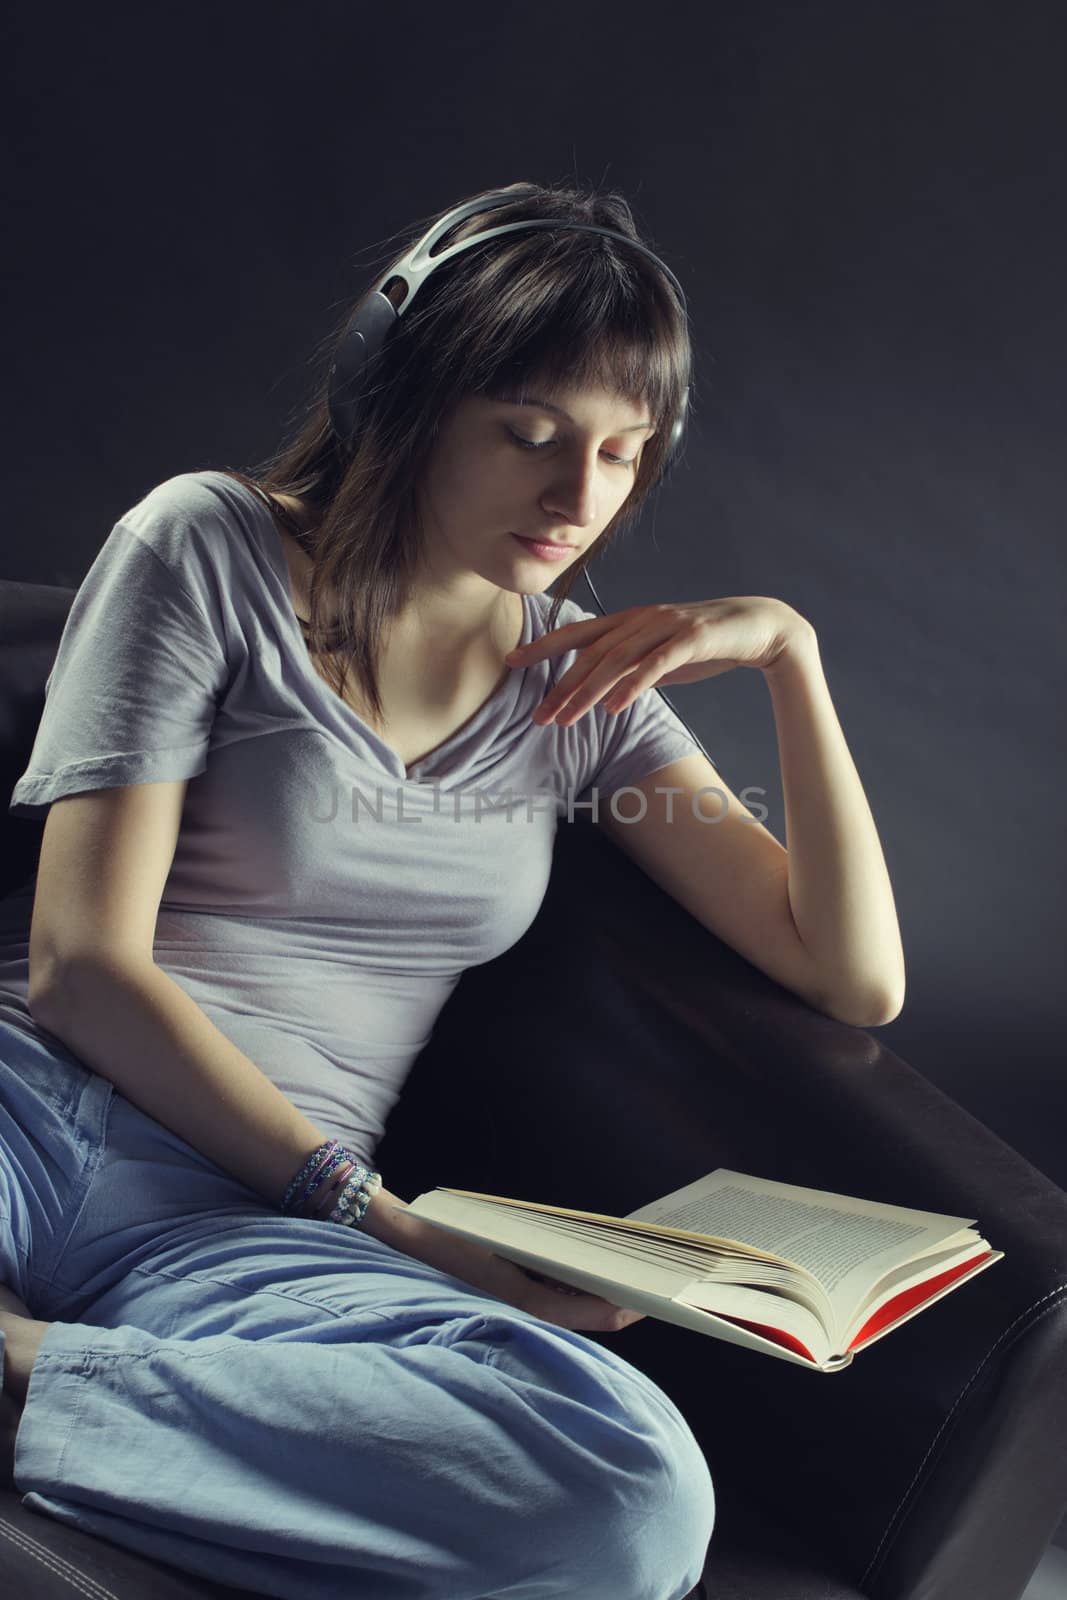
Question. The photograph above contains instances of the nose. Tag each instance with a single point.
(572, 492)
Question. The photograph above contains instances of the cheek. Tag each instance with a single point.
(477, 491)
(451, 493)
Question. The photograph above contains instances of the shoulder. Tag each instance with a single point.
(198, 519)
(194, 541)
(187, 495)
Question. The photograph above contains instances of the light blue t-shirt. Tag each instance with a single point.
(323, 900)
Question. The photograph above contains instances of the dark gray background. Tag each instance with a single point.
(865, 203)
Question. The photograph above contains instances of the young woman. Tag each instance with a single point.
(305, 745)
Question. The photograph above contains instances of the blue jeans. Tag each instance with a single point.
(297, 1408)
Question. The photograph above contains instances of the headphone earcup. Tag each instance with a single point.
(677, 440)
(361, 342)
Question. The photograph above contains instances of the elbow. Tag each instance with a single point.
(894, 1007)
(40, 1001)
(887, 1012)
(869, 1010)
(49, 999)
(48, 1010)
(48, 982)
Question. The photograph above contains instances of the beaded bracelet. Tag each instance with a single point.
(330, 1188)
(329, 1169)
(356, 1196)
(330, 1175)
(315, 1161)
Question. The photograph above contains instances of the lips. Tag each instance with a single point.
(544, 548)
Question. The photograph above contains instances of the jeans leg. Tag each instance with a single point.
(491, 1457)
(53, 1112)
(299, 1409)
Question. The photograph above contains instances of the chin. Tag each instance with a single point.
(526, 587)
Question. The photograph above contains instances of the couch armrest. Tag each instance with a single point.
(618, 1051)
(32, 616)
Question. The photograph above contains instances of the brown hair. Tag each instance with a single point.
(564, 308)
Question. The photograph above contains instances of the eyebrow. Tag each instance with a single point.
(558, 411)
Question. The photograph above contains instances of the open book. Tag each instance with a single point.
(800, 1274)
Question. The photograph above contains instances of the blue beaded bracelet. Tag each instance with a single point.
(315, 1160)
(359, 1187)
(339, 1158)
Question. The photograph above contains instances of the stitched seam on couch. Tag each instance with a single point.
(1051, 1296)
(48, 1558)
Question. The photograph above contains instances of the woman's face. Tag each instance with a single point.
(501, 469)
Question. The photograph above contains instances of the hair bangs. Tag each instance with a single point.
(578, 317)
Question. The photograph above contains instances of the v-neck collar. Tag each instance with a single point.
(275, 550)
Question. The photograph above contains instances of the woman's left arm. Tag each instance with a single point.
(818, 915)
(839, 888)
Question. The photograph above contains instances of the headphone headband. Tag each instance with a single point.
(376, 317)
(419, 262)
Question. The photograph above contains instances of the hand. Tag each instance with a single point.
(593, 1312)
(492, 1274)
(626, 652)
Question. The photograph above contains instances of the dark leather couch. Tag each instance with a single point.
(617, 1052)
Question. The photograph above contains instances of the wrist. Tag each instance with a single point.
(312, 1174)
(332, 1185)
(328, 1187)
(799, 649)
(386, 1218)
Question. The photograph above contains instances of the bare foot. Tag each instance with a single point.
(22, 1339)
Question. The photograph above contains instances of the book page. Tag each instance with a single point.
(725, 1249)
(926, 1268)
(901, 1308)
(847, 1243)
(605, 1269)
(751, 1306)
(710, 1264)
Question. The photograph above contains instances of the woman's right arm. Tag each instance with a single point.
(139, 1029)
(133, 1024)
(95, 986)
(94, 983)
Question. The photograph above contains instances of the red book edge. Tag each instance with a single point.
(893, 1309)
(901, 1304)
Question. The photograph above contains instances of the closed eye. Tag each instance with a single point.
(530, 444)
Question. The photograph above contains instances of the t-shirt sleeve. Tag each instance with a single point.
(141, 661)
(648, 735)
(611, 752)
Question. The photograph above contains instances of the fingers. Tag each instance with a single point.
(600, 1317)
(553, 1283)
(568, 1307)
(584, 1313)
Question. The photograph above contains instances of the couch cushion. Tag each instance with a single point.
(45, 1559)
